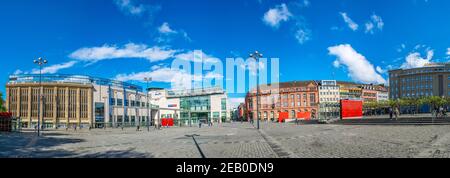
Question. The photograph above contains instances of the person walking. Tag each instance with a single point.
(390, 113)
(397, 113)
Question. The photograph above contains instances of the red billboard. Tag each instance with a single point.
(282, 116)
(351, 109)
(304, 115)
(167, 122)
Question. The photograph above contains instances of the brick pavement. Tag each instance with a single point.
(236, 140)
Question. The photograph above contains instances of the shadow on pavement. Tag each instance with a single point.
(27, 145)
(130, 153)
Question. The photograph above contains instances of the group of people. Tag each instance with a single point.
(210, 123)
(394, 112)
(440, 111)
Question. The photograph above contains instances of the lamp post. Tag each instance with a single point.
(256, 55)
(40, 61)
(148, 105)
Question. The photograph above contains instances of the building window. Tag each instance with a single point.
(312, 97)
(224, 104)
(119, 102)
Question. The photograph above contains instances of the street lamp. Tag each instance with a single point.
(148, 79)
(256, 55)
(40, 62)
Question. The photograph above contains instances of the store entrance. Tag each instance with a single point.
(202, 117)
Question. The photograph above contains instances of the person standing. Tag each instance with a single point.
(390, 113)
(397, 112)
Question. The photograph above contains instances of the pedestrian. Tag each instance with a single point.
(199, 124)
(397, 113)
(390, 113)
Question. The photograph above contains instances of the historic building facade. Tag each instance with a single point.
(290, 97)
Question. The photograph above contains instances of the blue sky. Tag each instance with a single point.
(354, 40)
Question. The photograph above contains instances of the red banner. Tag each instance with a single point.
(304, 115)
(167, 122)
(282, 116)
(351, 109)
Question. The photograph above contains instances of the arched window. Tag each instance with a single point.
(293, 114)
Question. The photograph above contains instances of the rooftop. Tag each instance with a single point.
(66, 78)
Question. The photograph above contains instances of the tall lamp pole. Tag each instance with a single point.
(148, 105)
(40, 61)
(256, 55)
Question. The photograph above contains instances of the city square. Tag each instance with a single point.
(235, 140)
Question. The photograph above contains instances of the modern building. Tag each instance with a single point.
(329, 99)
(430, 80)
(290, 97)
(188, 107)
(76, 101)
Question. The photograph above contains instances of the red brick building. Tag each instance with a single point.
(290, 97)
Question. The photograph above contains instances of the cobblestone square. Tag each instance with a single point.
(236, 140)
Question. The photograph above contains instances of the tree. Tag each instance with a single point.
(2, 108)
(437, 101)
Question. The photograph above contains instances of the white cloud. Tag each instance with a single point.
(178, 78)
(165, 28)
(54, 68)
(18, 71)
(375, 21)
(276, 15)
(167, 34)
(414, 60)
(129, 7)
(448, 51)
(378, 21)
(303, 35)
(359, 68)
(130, 50)
(401, 48)
(336, 64)
(197, 56)
(351, 24)
(369, 27)
(380, 70)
